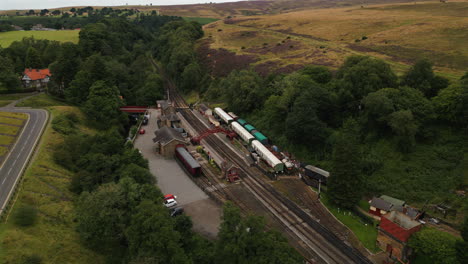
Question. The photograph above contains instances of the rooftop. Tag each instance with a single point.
(166, 135)
(381, 204)
(37, 74)
(402, 220)
(394, 201)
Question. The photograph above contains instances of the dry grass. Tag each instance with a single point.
(398, 33)
(45, 186)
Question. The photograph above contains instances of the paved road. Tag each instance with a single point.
(16, 160)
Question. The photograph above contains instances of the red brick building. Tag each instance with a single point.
(394, 231)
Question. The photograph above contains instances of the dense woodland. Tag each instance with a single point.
(377, 134)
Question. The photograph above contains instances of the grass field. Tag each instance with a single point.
(201, 20)
(10, 125)
(45, 186)
(6, 38)
(41, 101)
(6, 99)
(398, 33)
(366, 233)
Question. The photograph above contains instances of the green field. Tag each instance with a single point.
(45, 186)
(6, 38)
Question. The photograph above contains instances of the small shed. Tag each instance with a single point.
(316, 174)
(393, 201)
(167, 138)
(379, 207)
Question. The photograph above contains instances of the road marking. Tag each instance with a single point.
(4, 180)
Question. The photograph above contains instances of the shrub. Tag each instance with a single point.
(322, 47)
(25, 216)
(278, 44)
(364, 37)
(288, 37)
(291, 46)
(265, 44)
(31, 259)
(65, 123)
(133, 131)
(242, 47)
(219, 30)
(357, 40)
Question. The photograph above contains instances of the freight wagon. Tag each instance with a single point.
(316, 174)
(190, 164)
(246, 136)
(260, 137)
(223, 115)
(267, 156)
(242, 122)
(234, 116)
(249, 128)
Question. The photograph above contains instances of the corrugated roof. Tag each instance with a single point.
(188, 158)
(260, 137)
(249, 127)
(241, 121)
(318, 170)
(166, 135)
(381, 204)
(392, 200)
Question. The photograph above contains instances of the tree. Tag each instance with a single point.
(151, 235)
(44, 12)
(247, 241)
(405, 127)
(421, 77)
(65, 67)
(101, 217)
(152, 90)
(73, 10)
(56, 12)
(346, 183)
(435, 245)
(319, 74)
(450, 103)
(33, 59)
(244, 91)
(360, 76)
(303, 126)
(462, 246)
(8, 78)
(103, 104)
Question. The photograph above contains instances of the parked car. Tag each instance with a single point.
(177, 211)
(145, 121)
(142, 131)
(170, 203)
(169, 196)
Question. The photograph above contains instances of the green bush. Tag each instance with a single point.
(364, 37)
(31, 259)
(133, 131)
(25, 216)
(65, 123)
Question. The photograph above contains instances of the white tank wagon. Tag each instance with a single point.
(240, 130)
(266, 155)
(223, 115)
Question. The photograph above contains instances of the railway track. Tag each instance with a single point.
(317, 244)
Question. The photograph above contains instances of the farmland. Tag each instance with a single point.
(6, 38)
(398, 33)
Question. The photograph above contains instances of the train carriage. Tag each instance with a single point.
(266, 155)
(246, 136)
(249, 128)
(223, 115)
(242, 122)
(190, 164)
(260, 137)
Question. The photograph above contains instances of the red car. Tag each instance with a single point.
(169, 196)
(142, 131)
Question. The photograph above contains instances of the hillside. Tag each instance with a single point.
(399, 33)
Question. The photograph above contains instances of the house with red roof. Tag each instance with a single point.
(36, 78)
(394, 231)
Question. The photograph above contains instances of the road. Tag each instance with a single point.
(17, 159)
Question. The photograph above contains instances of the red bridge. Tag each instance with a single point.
(229, 134)
(134, 109)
